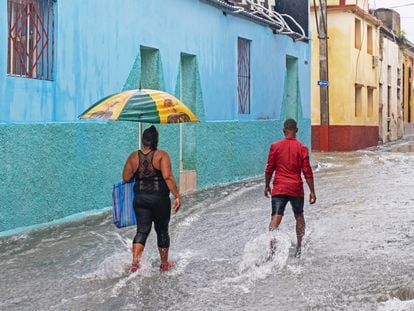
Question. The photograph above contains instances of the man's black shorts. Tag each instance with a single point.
(279, 204)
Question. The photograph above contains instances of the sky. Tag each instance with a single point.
(406, 13)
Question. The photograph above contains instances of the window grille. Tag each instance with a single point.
(243, 75)
(31, 38)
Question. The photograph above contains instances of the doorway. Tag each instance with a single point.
(187, 93)
(291, 107)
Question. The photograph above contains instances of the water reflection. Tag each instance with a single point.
(409, 147)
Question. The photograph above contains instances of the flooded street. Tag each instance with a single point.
(357, 255)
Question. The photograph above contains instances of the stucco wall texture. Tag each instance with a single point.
(50, 171)
(63, 166)
(235, 150)
(90, 65)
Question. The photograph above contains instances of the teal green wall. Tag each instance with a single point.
(231, 151)
(151, 69)
(49, 171)
(188, 90)
(53, 170)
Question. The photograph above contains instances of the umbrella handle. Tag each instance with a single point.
(181, 147)
(139, 134)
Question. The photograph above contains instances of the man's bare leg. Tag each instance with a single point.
(275, 222)
(274, 225)
(300, 232)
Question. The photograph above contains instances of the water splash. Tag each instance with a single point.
(355, 256)
(259, 260)
(258, 256)
(112, 267)
(396, 304)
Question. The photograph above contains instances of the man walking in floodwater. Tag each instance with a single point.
(288, 158)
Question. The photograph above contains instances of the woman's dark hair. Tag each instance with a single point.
(150, 137)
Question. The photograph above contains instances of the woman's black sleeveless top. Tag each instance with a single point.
(147, 178)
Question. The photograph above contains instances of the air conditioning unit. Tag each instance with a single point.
(375, 60)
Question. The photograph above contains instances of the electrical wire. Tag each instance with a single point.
(278, 22)
(278, 19)
(401, 6)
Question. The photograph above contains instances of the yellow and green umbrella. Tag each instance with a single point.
(141, 105)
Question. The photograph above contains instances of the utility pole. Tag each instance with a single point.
(322, 26)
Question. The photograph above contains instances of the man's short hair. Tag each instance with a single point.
(290, 124)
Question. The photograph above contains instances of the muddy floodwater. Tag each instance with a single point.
(358, 251)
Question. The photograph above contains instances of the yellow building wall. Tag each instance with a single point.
(330, 2)
(347, 66)
(361, 3)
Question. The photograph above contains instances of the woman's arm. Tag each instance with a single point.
(130, 167)
(167, 174)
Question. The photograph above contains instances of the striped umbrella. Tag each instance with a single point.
(141, 105)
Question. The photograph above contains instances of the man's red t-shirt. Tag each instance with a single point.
(288, 158)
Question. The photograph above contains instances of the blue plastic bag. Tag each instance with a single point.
(123, 204)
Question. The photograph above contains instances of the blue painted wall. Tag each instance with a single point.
(97, 53)
(97, 42)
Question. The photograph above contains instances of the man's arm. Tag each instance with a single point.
(307, 172)
(270, 167)
(268, 190)
(167, 174)
(312, 195)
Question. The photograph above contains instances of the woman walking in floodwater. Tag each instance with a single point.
(154, 180)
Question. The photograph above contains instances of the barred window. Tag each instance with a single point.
(31, 38)
(243, 75)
